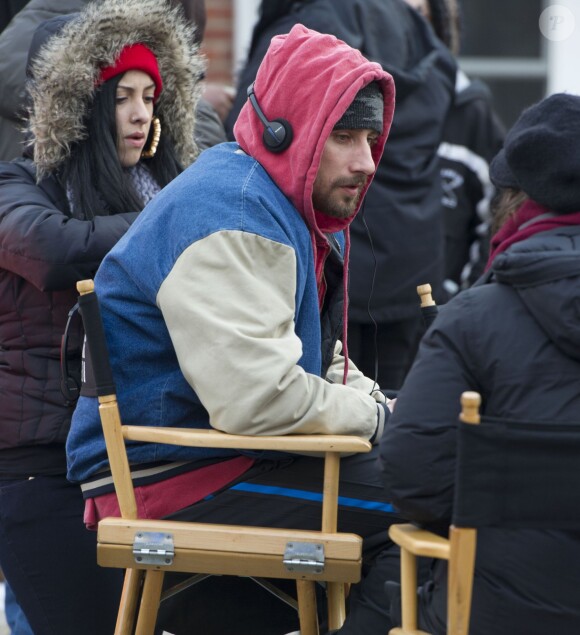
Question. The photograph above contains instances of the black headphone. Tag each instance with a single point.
(278, 133)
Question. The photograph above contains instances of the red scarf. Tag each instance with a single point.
(516, 228)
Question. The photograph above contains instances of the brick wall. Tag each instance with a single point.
(218, 38)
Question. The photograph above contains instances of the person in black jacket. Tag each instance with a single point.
(473, 135)
(96, 158)
(515, 338)
(397, 240)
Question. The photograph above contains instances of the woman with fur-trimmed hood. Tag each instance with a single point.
(113, 94)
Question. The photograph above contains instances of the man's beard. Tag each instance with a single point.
(337, 204)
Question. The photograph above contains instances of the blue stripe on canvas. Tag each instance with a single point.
(344, 501)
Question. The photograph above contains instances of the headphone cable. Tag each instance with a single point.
(369, 300)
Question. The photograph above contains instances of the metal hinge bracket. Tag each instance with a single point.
(151, 547)
(306, 557)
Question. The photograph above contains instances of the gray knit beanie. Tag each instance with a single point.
(365, 111)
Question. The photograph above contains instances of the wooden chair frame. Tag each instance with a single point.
(458, 549)
(217, 549)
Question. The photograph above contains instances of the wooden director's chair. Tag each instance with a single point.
(510, 474)
(147, 549)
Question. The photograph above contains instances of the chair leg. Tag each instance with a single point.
(463, 543)
(307, 607)
(150, 599)
(128, 603)
(409, 590)
(336, 604)
(408, 596)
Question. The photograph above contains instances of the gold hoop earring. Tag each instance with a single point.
(150, 153)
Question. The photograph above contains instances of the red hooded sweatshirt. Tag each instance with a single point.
(336, 73)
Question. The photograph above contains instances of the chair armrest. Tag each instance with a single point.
(217, 439)
(233, 549)
(419, 542)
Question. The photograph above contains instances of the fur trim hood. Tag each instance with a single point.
(67, 67)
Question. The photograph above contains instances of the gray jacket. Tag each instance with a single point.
(14, 44)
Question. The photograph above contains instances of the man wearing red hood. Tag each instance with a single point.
(225, 306)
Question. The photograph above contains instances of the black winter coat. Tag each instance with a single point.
(516, 340)
(43, 252)
(403, 204)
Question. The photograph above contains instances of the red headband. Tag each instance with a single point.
(136, 57)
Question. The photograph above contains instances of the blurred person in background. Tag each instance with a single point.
(473, 135)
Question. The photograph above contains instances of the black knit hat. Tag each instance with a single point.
(365, 111)
(541, 154)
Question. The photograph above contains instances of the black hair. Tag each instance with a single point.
(164, 166)
(93, 174)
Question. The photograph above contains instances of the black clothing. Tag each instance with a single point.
(516, 340)
(43, 253)
(473, 136)
(45, 550)
(288, 494)
(387, 353)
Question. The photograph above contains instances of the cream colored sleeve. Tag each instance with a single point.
(354, 378)
(229, 306)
